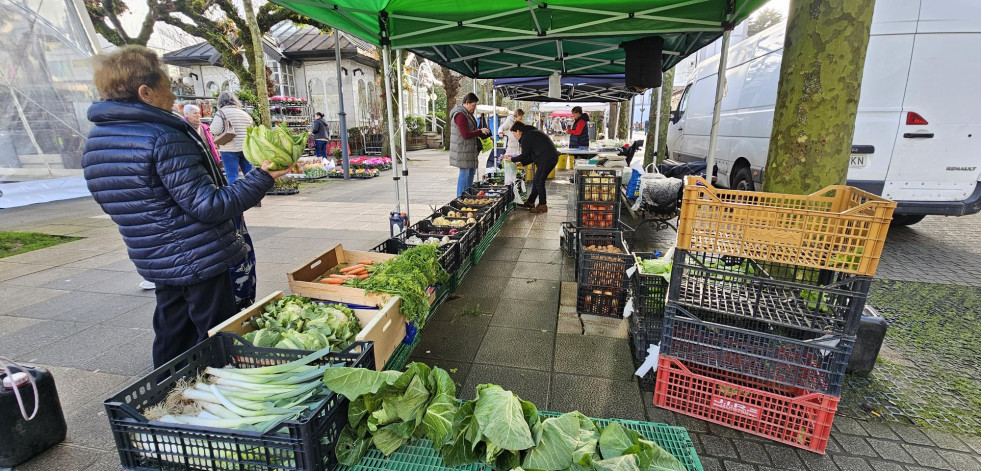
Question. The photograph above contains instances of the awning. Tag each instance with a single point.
(529, 38)
(579, 88)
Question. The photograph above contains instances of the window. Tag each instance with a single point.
(212, 88)
(683, 104)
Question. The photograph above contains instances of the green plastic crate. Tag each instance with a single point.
(478, 252)
(420, 456)
(400, 356)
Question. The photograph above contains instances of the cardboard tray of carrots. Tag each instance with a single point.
(323, 277)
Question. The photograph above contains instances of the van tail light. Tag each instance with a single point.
(914, 119)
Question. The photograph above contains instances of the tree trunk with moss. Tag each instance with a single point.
(664, 115)
(820, 81)
(650, 148)
(614, 125)
(623, 124)
(262, 90)
(451, 86)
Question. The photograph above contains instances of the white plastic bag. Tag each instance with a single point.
(510, 172)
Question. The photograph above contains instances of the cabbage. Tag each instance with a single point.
(278, 145)
(298, 323)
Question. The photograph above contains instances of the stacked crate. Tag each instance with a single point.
(765, 299)
(602, 273)
(597, 199)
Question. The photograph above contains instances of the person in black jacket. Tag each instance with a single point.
(154, 176)
(538, 149)
(320, 138)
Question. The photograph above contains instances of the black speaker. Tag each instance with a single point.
(643, 62)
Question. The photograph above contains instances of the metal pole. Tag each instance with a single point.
(405, 158)
(386, 50)
(494, 118)
(720, 85)
(345, 155)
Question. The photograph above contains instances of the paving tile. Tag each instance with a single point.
(785, 457)
(734, 466)
(80, 348)
(518, 348)
(88, 426)
(849, 426)
(692, 424)
(926, 456)
(80, 388)
(64, 457)
(890, 450)
(9, 324)
(594, 356)
(961, 461)
(718, 446)
(457, 342)
(855, 445)
(596, 397)
(139, 318)
(570, 325)
(500, 252)
(482, 287)
(134, 358)
(495, 268)
(851, 463)
(752, 452)
(544, 234)
(879, 430)
(540, 256)
(530, 385)
(655, 414)
(603, 326)
(463, 310)
(519, 314)
(912, 435)
(39, 335)
(10, 271)
(568, 293)
(880, 465)
(723, 431)
(948, 441)
(532, 290)
(816, 462)
(13, 298)
(710, 464)
(537, 271)
(543, 244)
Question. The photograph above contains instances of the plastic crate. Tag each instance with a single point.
(450, 253)
(485, 211)
(650, 292)
(639, 342)
(569, 238)
(485, 218)
(598, 215)
(599, 185)
(814, 364)
(629, 233)
(485, 244)
(307, 443)
(467, 239)
(787, 416)
(600, 301)
(839, 228)
(420, 455)
(601, 269)
(770, 294)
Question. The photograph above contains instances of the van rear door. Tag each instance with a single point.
(937, 152)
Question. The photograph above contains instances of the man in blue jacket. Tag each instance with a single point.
(155, 177)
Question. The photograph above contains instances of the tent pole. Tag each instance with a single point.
(345, 155)
(392, 144)
(402, 105)
(720, 86)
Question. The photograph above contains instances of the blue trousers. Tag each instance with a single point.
(465, 180)
(233, 161)
(320, 148)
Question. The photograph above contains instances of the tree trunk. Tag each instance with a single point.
(261, 85)
(820, 81)
(623, 124)
(664, 115)
(451, 86)
(650, 148)
(613, 124)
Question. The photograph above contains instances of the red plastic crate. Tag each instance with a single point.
(793, 416)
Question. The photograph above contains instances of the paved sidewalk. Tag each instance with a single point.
(77, 309)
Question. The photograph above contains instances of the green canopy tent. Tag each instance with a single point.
(527, 38)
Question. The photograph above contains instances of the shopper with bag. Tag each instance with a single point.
(229, 127)
(505, 131)
(465, 143)
(538, 149)
(319, 135)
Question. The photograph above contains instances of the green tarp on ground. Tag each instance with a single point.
(529, 38)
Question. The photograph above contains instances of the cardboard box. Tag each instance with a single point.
(302, 280)
(384, 326)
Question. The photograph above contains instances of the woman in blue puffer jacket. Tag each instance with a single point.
(154, 176)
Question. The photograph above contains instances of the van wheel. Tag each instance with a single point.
(906, 219)
(743, 180)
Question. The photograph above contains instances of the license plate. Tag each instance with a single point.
(859, 160)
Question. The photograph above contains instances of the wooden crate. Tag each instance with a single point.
(384, 326)
(302, 280)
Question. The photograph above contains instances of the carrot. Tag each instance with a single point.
(343, 277)
(366, 262)
(333, 281)
(351, 268)
(364, 277)
(362, 271)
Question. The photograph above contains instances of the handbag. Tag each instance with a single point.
(227, 130)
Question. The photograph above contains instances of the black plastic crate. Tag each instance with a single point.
(603, 269)
(640, 339)
(777, 295)
(486, 211)
(307, 444)
(644, 333)
(600, 301)
(599, 185)
(484, 220)
(468, 239)
(450, 253)
(629, 233)
(814, 364)
(569, 239)
(650, 291)
(392, 246)
(505, 191)
(598, 215)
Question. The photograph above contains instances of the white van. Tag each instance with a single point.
(918, 130)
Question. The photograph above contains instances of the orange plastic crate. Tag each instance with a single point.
(795, 417)
(838, 228)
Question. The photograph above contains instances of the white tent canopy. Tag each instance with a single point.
(501, 110)
(586, 107)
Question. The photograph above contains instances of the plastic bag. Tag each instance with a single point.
(510, 172)
(658, 193)
(487, 144)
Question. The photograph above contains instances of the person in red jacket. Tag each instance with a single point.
(579, 132)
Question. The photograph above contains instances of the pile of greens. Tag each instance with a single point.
(655, 266)
(407, 276)
(389, 409)
(298, 323)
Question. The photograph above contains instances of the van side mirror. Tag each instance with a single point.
(675, 116)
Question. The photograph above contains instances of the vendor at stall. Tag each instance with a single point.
(465, 142)
(579, 132)
(538, 149)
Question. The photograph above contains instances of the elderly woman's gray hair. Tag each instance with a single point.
(228, 99)
(118, 75)
(191, 109)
